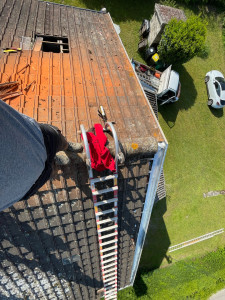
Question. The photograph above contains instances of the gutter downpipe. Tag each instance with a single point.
(149, 202)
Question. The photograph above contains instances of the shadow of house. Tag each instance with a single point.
(157, 240)
(186, 101)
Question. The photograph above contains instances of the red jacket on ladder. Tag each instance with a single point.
(101, 159)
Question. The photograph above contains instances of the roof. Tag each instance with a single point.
(166, 13)
(48, 244)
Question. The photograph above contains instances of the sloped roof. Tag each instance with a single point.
(48, 244)
(166, 13)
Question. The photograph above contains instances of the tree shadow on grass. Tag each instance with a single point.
(124, 10)
(187, 99)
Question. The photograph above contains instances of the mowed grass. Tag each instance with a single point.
(187, 279)
(195, 161)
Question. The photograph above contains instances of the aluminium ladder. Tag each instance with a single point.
(106, 217)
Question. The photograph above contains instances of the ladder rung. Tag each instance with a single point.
(111, 297)
(104, 178)
(106, 201)
(113, 274)
(108, 266)
(109, 293)
(108, 211)
(109, 260)
(110, 284)
(109, 242)
(107, 236)
(108, 228)
(110, 279)
(111, 287)
(108, 249)
(110, 270)
(104, 191)
(109, 254)
(107, 220)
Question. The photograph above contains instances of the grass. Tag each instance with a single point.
(188, 279)
(194, 164)
(195, 160)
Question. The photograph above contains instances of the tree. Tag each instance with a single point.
(182, 40)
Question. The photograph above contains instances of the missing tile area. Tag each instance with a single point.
(51, 44)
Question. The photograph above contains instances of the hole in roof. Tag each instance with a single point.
(53, 44)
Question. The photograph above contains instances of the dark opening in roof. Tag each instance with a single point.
(54, 44)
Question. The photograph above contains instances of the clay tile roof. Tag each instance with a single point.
(166, 13)
(49, 242)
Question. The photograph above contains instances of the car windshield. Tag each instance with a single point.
(222, 82)
(217, 86)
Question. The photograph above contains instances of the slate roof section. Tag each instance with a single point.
(166, 13)
(48, 244)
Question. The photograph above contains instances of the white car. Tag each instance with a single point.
(215, 84)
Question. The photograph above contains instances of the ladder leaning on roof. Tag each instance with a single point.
(106, 219)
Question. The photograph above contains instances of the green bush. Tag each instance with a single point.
(182, 40)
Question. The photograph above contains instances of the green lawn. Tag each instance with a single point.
(195, 161)
(186, 279)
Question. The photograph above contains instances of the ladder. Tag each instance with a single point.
(105, 206)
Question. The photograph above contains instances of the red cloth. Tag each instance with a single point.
(101, 159)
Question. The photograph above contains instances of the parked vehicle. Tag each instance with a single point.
(215, 84)
(166, 84)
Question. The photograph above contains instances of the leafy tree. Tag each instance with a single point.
(182, 40)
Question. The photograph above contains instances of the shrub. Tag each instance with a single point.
(182, 40)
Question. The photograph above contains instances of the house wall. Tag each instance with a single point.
(156, 30)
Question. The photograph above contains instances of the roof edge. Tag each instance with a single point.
(154, 178)
(157, 122)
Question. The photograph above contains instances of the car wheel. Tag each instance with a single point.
(206, 79)
(210, 102)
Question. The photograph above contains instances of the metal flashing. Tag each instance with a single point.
(149, 202)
